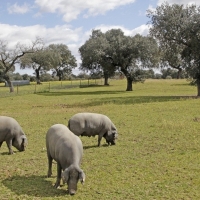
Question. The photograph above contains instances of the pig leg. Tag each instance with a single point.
(101, 134)
(1, 144)
(99, 140)
(50, 159)
(59, 170)
(9, 145)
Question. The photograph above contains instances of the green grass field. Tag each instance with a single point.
(157, 155)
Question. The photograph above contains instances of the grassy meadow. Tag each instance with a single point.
(157, 155)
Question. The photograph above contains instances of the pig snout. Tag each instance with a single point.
(113, 143)
(72, 192)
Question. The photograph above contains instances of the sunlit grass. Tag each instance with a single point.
(157, 155)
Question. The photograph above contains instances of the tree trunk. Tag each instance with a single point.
(106, 81)
(179, 73)
(128, 78)
(11, 86)
(105, 74)
(198, 88)
(59, 73)
(37, 73)
(129, 84)
(7, 78)
(38, 82)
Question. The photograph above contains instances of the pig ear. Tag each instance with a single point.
(115, 134)
(23, 139)
(81, 176)
(65, 175)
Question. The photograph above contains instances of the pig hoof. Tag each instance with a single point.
(56, 186)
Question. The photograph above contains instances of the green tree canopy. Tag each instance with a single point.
(38, 61)
(178, 27)
(93, 56)
(62, 61)
(113, 50)
(171, 57)
(10, 57)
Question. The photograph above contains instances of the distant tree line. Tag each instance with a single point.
(46, 77)
(143, 74)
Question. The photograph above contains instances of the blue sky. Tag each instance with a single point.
(70, 22)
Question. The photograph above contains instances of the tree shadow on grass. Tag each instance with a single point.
(78, 93)
(5, 153)
(93, 85)
(95, 146)
(134, 100)
(36, 186)
(127, 100)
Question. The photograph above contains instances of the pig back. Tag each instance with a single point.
(89, 123)
(9, 127)
(61, 143)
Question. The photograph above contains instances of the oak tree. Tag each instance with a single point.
(114, 50)
(62, 60)
(177, 27)
(38, 61)
(10, 57)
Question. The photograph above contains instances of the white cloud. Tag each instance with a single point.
(184, 2)
(15, 8)
(71, 9)
(151, 8)
(197, 2)
(142, 30)
(57, 34)
(73, 38)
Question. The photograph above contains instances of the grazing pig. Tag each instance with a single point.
(12, 133)
(91, 124)
(67, 150)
